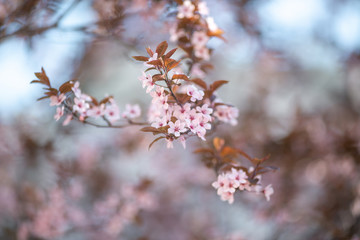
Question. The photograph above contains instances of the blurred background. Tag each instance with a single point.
(294, 72)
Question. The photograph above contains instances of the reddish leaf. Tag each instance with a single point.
(36, 81)
(149, 129)
(141, 58)
(42, 77)
(42, 98)
(155, 63)
(158, 77)
(180, 76)
(171, 63)
(149, 51)
(170, 53)
(199, 82)
(152, 68)
(161, 48)
(228, 152)
(66, 87)
(157, 139)
(204, 150)
(217, 84)
(218, 143)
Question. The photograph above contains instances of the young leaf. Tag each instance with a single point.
(155, 63)
(171, 63)
(170, 53)
(149, 129)
(217, 84)
(218, 143)
(161, 48)
(180, 76)
(66, 87)
(141, 58)
(157, 77)
(149, 51)
(199, 82)
(43, 78)
(204, 150)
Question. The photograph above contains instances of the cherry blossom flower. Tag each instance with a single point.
(196, 71)
(202, 53)
(96, 111)
(76, 90)
(227, 196)
(176, 128)
(203, 9)
(57, 100)
(227, 114)
(59, 113)
(199, 39)
(159, 122)
(80, 106)
(239, 176)
(211, 24)
(157, 94)
(186, 10)
(175, 34)
(112, 112)
(131, 111)
(181, 112)
(146, 81)
(195, 93)
(268, 191)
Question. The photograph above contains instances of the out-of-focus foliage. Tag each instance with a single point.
(294, 76)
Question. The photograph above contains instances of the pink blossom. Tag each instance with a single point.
(186, 10)
(202, 53)
(57, 100)
(131, 111)
(157, 94)
(268, 191)
(176, 128)
(199, 39)
(59, 113)
(195, 93)
(196, 71)
(80, 106)
(181, 112)
(227, 114)
(147, 82)
(96, 111)
(239, 176)
(203, 9)
(211, 24)
(76, 90)
(175, 34)
(227, 196)
(159, 122)
(112, 112)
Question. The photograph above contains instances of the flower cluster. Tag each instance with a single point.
(192, 31)
(70, 101)
(233, 174)
(181, 107)
(227, 183)
(60, 211)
